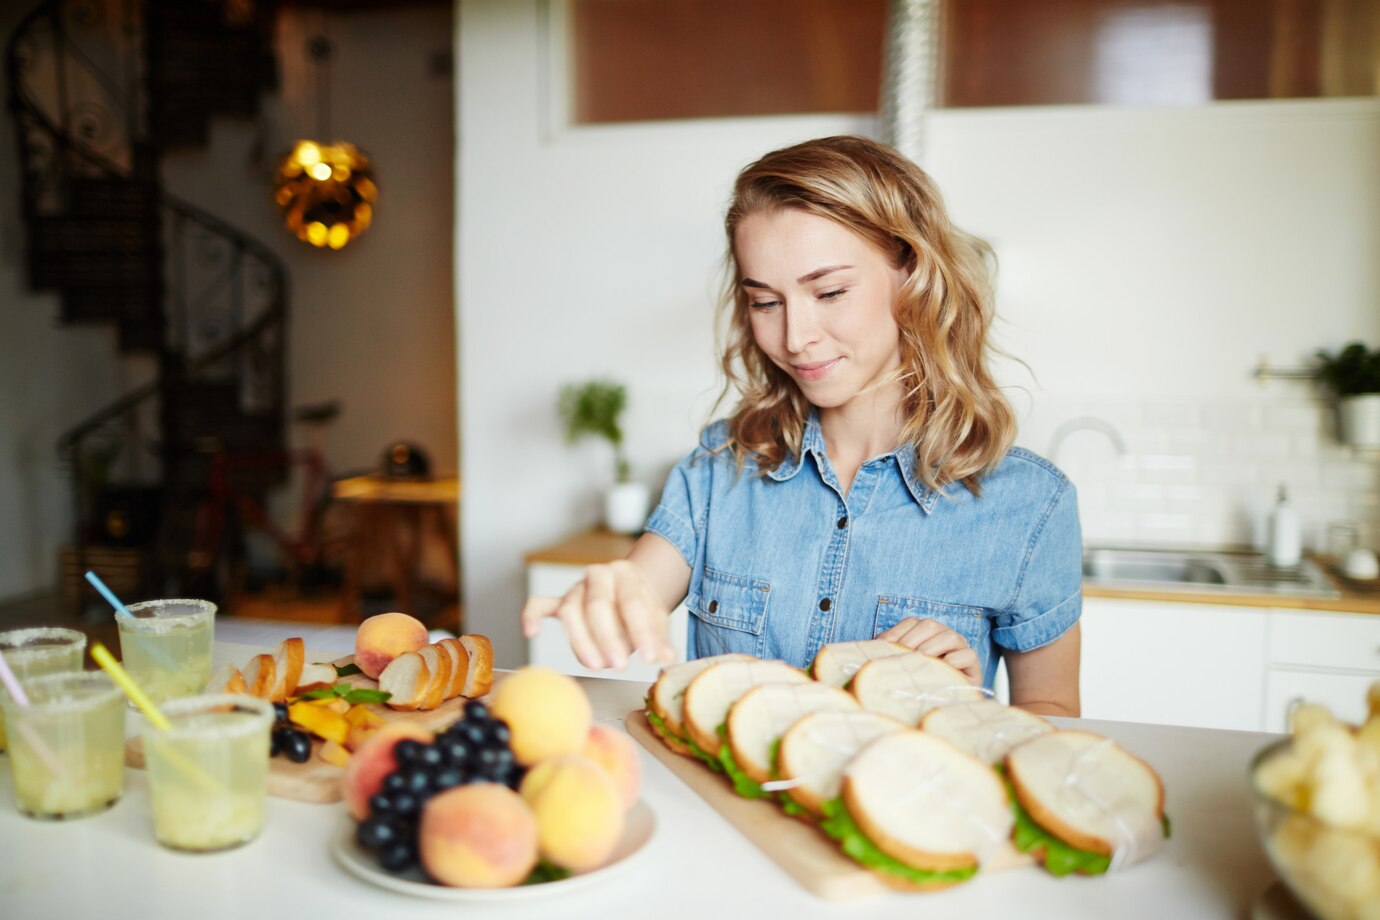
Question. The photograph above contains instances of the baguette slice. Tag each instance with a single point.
(987, 729)
(710, 695)
(667, 696)
(817, 747)
(759, 718)
(906, 687)
(926, 803)
(314, 676)
(1090, 793)
(438, 663)
(407, 678)
(479, 679)
(288, 659)
(260, 676)
(227, 680)
(459, 666)
(837, 662)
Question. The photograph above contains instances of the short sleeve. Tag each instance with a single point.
(680, 516)
(1050, 597)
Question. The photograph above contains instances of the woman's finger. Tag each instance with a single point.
(534, 611)
(571, 612)
(941, 643)
(894, 633)
(646, 626)
(601, 615)
(918, 632)
(965, 660)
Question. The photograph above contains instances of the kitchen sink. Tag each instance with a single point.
(1201, 571)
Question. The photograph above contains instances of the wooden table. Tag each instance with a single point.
(398, 512)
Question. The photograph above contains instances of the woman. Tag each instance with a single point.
(866, 484)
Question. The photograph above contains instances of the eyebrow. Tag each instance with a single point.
(803, 279)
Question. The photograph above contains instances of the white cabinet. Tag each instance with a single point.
(1173, 663)
(1328, 658)
(551, 649)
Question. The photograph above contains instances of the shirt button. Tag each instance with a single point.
(824, 604)
(713, 606)
(843, 522)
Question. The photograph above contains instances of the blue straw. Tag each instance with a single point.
(107, 593)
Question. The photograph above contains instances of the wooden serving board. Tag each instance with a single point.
(802, 850)
(316, 780)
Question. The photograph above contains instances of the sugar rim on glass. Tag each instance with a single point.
(257, 715)
(16, 645)
(162, 622)
(94, 689)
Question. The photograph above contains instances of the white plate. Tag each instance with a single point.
(637, 831)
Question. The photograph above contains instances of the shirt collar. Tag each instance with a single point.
(813, 443)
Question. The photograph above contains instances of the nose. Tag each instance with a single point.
(802, 327)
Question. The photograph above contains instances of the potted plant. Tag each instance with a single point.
(596, 408)
(1353, 376)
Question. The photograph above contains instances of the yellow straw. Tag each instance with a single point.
(127, 684)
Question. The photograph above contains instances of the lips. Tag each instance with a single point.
(815, 371)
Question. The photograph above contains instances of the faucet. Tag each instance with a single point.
(1082, 423)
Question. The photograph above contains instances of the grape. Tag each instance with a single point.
(376, 832)
(396, 856)
(406, 804)
(446, 778)
(430, 756)
(476, 711)
(416, 780)
(280, 712)
(297, 746)
(499, 732)
(454, 751)
(407, 751)
(473, 733)
(394, 782)
(381, 803)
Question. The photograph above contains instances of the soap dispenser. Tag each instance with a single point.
(1286, 543)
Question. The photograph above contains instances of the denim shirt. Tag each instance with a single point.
(783, 564)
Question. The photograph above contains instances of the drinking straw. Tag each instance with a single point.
(159, 721)
(119, 606)
(44, 752)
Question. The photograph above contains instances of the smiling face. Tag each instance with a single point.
(820, 302)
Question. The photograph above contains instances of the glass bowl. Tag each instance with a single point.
(1334, 872)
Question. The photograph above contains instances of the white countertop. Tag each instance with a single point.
(696, 866)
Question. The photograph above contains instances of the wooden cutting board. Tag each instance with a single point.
(803, 851)
(316, 780)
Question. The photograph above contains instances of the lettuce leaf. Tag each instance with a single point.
(1061, 859)
(743, 784)
(789, 805)
(839, 824)
(658, 725)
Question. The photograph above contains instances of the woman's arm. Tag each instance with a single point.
(1045, 680)
(620, 608)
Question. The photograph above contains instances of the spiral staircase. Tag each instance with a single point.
(99, 91)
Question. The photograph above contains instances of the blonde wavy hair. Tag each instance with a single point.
(956, 417)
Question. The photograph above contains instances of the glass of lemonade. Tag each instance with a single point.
(208, 776)
(37, 651)
(67, 747)
(166, 646)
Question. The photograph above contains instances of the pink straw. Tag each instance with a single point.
(12, 683)
(44, 752)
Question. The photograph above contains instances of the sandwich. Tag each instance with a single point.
(919, 812)
(714, 691)
(666, 700)
(1082, 804)
(756, 722)
(987, 729)
(906, 687)
(813, 752)
(837, 662)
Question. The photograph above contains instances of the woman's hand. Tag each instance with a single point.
(937, 641)
(611, 614)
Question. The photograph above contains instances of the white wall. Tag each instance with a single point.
(1149, 256)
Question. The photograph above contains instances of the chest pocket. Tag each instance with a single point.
(968, 622)
(730, 614)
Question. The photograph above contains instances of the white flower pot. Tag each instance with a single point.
(1358, 420)
(625, 507)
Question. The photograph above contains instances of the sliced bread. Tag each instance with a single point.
(987, 729)
(459, 666)
(288, 659)
(314, 676)
(710, 695)
(906, 687)
(759, 718)
(667, 696)
(438, 663)
(818, 746)
(837, 662)
(227, 679)
(926, 803)
(407, 679)
(1090, 793)
(260, 676)
(479, 678)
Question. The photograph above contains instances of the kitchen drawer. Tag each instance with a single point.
(1324, 640)
(1343, 692)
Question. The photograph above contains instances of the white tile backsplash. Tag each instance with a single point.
(1207, 474)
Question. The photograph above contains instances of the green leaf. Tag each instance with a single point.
(1060, 858)
(546, 872)
(320, 693)
(364, 695)
(743, 784)
(347, 670)
(839, 824)
(791, 807)
(1164, 823)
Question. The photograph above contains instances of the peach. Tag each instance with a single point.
(385, 636)
(547, 713)
(478, 836)
(374, 760)
(615, 752)
(579, 812)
